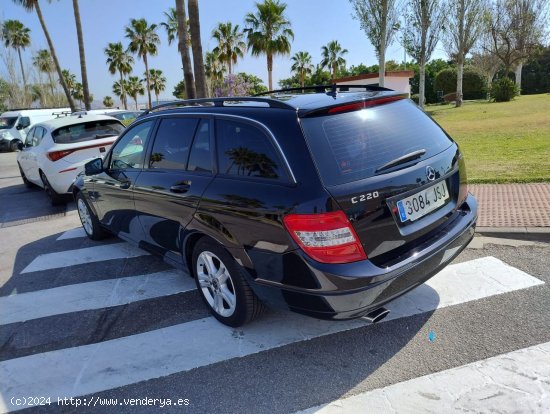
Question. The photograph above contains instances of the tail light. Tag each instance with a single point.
(325, 237)
(57, 155)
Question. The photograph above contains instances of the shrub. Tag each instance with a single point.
(473, 83)
(503, 90)
(450, 97)
(414, 98)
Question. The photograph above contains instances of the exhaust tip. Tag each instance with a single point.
(376, 315)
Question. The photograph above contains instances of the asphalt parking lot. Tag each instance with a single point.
(105, 323)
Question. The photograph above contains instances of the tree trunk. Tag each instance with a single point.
(83, 70)
(270, 70)
(196, 46)
(518, 70)
(183, 41)
(51, 86)
(124, 100)
(459, 78)
(422, 84)
(334, 69)
(54, 57)
(302, 78)
(382, 48)
(135, 100)
(157, 96)
(229, 67)
(22, 71)
(148, 81)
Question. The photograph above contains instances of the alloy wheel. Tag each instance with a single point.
(85, 217)
(216, 284)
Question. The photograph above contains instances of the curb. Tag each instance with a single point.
(520, 233)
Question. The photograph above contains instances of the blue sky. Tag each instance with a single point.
(315, 23)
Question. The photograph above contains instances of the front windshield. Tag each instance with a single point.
(7, 122)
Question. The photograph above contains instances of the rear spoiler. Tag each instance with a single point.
(352, 106)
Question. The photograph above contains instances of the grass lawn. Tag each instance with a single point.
(503, 142)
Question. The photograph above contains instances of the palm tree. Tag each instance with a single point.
(269, 33)
(196, 47)
(302, 65)
(143, 41)
(119, 60)
(230, 44)
(34, 5)
(333, 57)
(158, 82)
(69, 79)
(42, 60)
(17, 36)
(134, 87)
(108, 102)
(183, 47)
(214, 70)
(171, 26)
(120, 90)
(78, 93)
(83, 71)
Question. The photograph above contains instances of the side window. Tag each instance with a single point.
(38, 135)
(129, 151)
(200, 158)
(172, 142)
(28, 138)
(245, 150)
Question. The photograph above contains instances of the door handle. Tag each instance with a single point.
(124, 185)
(180, 188)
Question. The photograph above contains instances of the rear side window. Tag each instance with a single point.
(353, 145)
(37, 136)
(172, 142)
(87, 131)
(246, 151)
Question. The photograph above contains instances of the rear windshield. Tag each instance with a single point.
(7, 122)
(87, 131)
(353, 145)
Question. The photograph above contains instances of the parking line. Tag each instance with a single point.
(513, 382)
(72, 234)
(92, 295)
(85, 255)
(105, 365)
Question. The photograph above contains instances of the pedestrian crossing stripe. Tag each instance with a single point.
(105, 365)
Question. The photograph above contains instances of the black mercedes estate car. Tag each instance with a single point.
(330, 203)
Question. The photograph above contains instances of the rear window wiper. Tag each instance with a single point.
(401, 160)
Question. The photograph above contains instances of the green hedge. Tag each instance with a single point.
(473, 83)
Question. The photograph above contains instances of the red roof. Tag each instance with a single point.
(396, 74)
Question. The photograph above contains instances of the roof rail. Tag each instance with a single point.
(273, 103)
(323, 88)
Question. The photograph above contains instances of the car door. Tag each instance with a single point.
(32, 152)
(113, 189)
(168, 191)
(23, 157)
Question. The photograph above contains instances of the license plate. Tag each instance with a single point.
(422, 203)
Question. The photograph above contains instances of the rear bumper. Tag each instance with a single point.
(345, 291)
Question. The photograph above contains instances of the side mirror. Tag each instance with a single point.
(94, 167)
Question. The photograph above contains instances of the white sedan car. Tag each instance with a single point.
(55, 151)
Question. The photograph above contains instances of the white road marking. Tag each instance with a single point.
(73, 234)
(85, 255)
(92, 295)
(515, 382)
(105, 365)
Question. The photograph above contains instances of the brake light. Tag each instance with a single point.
(325, 237)
(57, 155)
(356, 106)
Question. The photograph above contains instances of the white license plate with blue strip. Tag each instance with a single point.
(418, 205)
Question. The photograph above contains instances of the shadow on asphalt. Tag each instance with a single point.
(21, 204)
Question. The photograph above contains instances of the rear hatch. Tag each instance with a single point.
(78, 143)
(393, 171)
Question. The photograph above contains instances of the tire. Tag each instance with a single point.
(89, 221)
(228, 296)
(27, 183)
(55, 198)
